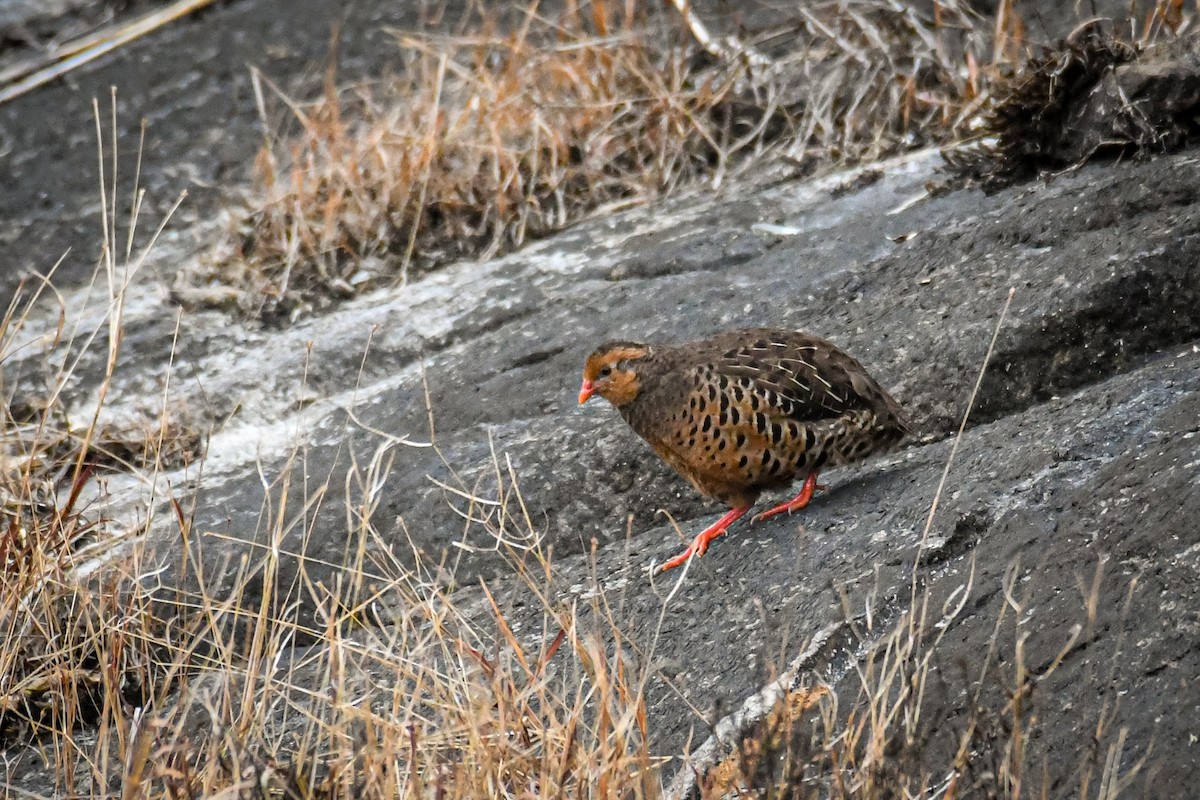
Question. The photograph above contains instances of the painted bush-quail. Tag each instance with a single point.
(746, 411)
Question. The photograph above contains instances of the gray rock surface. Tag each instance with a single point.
(1083, 455)
(1082, 458)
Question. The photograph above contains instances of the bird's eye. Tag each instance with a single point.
(605, 371)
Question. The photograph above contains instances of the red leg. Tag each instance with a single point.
(700, 543)
(796, 503)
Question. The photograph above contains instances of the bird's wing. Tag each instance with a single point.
(799, 378)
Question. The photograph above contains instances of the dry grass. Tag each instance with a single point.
(403, 689)
(75, 608)
(400, 688)
(407, 690)
(421, 701)
(523, 124)
(918, 727)
(128, 683)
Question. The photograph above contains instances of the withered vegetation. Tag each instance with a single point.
(1097, 91)
(523, 124)
(127, 682)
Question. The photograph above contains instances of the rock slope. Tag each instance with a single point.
(1071, 503)
(1070, 507)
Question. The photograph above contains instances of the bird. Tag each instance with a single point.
(746, 411)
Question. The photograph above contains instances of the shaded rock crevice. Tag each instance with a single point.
(1146, 305)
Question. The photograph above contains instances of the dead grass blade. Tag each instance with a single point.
(61, 60)
(486, 140)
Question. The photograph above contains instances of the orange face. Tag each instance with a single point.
(608, 373)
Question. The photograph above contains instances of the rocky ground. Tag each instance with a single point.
(1070, 507)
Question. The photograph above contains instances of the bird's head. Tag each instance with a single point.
(611, 372)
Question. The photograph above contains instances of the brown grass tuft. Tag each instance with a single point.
(525, 124)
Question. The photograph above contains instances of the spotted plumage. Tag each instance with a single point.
(746, 411)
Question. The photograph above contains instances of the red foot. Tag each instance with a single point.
(796, 503)
(700, 544)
